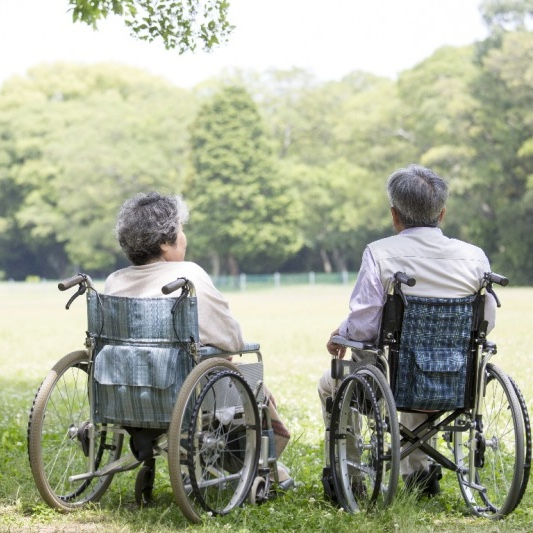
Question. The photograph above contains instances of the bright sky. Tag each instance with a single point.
(330, 38)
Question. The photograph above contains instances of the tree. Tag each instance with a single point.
(81, 140)
(507, 15)
(178, 24)
(341, 141)
(503, 160)
(245, 213)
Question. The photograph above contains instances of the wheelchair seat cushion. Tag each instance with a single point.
(435, 354)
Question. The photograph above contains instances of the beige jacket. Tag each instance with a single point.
(217, 327)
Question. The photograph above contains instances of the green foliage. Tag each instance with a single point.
(501, 165)
(282, 172)
(241, 200)
(179, 25)
(84, 140)
(507, 15)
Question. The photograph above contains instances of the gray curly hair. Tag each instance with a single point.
(418, 195)
(147, 221)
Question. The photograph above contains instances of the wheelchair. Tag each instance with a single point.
(144, 377)
(432, 357)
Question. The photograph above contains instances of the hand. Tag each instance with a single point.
(337, 350)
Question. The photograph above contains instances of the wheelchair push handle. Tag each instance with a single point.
(488, 279)
(173, 286)
(78, 279)
(492, 277)
(82, 280)
(402, 277)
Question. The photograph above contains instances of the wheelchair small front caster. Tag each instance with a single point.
(327, 484)
(259, 491)
(144, 483)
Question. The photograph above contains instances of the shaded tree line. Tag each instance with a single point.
(281, 172)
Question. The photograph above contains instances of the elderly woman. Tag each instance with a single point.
(150, 232)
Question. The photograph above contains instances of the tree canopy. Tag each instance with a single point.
(180, 25)
(281, 172)
(242, 201)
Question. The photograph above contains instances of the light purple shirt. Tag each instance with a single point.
(366, 303)
(369, 295)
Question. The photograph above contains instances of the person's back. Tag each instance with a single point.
(217, 325)
(443, 267)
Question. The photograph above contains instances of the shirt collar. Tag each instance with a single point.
(420, 229)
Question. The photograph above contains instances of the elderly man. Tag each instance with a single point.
(443, 267)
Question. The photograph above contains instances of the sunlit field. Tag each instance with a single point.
(292, 324)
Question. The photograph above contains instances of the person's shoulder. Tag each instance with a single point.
(190, 266)
(474, 250)
(382, 243)
(377, 242)
(193, 271)
(118, 273)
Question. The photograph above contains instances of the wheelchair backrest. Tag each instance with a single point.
(117, 318)
(433, 359)
(142, 355)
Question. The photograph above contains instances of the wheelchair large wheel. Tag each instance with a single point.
(190, 453)
(364, 446)
(527, 438)
(223, 443)
(58, 443)
(391, 432)
(491, 455)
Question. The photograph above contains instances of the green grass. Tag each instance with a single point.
(292, 324)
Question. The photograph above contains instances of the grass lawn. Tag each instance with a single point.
(292, 324)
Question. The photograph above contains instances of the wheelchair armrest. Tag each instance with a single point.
(212, 351)
(355, 345)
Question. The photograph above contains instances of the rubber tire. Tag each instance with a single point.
(222, 452)
(527, 438)
(503, 440)
(177, 464)
(355, 404)
(258, 492)
(389, 417)
(53, 456)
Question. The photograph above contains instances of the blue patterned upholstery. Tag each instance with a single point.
(141, 357)
(434, 353)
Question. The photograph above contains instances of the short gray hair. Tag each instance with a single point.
(418, 195)
(147, 221)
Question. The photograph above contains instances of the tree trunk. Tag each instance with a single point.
(215, 263)
(325, 261)
(233, 265)
(339, 259)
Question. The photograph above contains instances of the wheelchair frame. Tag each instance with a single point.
(489, 438)
(218, 458)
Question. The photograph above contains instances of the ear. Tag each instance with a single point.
(398, 226)
(441, 215)
(165, 249)
(394, 215)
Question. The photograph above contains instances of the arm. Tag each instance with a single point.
(217, 326)
(366, 305)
